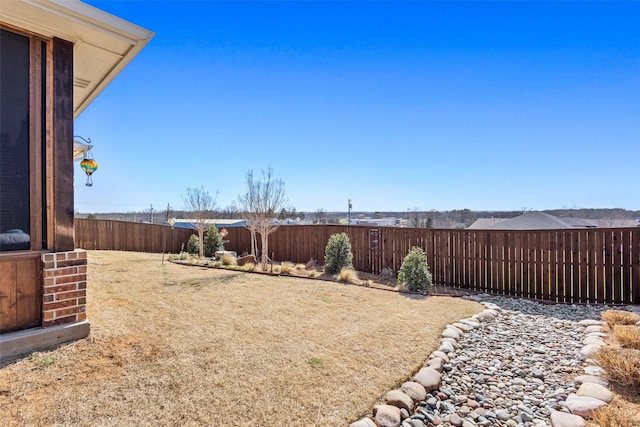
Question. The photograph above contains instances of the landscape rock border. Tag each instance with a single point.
(405, 406)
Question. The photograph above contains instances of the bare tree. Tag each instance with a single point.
(231, 211)
(264, 199)
(320, 216)
(247, 203)
(199, 205)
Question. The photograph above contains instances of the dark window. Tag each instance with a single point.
(14, 142)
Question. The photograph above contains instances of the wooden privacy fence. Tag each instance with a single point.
(112, 235)
(570, 265)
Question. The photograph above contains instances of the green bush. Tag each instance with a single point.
(337, 253)
(193, 245)
(414, 272)
(212, 242)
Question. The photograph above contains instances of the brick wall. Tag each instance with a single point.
(64, 292)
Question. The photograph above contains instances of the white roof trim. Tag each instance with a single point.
(103, 44)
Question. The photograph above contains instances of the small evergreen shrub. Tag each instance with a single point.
(414, 272)
(193, 245)
(337, 253)
(212, 242)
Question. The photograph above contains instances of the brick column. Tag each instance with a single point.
(64, 292)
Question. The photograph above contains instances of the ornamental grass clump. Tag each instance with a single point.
(614, 416)
(619, 317)
(414, 272)
(348, 275)
(627, 335)
(286, 268)
(228, 260)
(622, 365)
(337, 253)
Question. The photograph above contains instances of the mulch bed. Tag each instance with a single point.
(377, 282)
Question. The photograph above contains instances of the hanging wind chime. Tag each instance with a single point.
(87, 164)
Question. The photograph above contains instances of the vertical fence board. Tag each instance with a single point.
(635, 265)
(482, 261)
(616, 253)
(553, 265)
(596, 266)
(545, 264)
(561, 266)
(500, 264)
(586, 288)
(627, 296)
(608, 262)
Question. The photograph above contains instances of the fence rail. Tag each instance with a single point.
(571, 266)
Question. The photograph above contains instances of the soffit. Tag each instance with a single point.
(103, 44)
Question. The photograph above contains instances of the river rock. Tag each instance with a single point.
(455, 420)
(429, 378)
(589, 349)
(581, 379)
(596, 391)
(365, 422)
(563, 419)
(593, 341)
(590, 322)
(441, 355)
(400, 399)
(449, 332)
(593, 370)
(583, 405)
(386, 415)
(446, 347)
(462, 327)
(414, 390)
(436, 363)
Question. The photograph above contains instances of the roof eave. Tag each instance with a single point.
(80, 24)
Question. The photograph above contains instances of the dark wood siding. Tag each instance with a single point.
(63, 145)
(20, 292)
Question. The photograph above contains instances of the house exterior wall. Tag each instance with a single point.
(46, 286)
(64, 295)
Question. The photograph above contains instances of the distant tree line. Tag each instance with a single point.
(456, 218)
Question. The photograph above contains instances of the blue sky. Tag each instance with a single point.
(394, 105)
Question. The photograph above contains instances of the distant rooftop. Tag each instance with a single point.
(532, 221)
(482, 223)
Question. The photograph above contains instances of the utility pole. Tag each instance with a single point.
(168, 207)
(349, 213)
(151, 214)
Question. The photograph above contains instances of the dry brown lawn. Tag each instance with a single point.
(174, 345)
